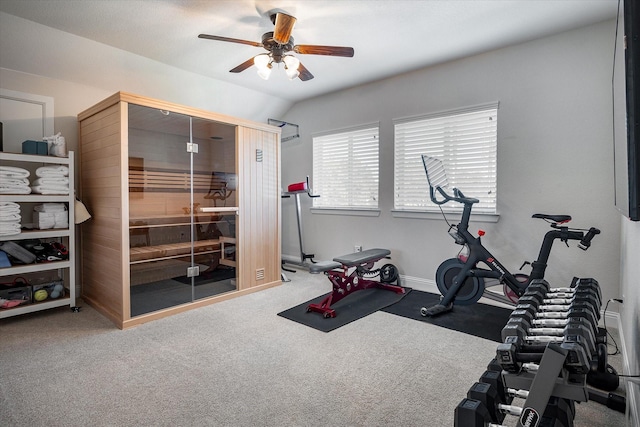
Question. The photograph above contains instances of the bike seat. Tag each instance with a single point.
(559, 219)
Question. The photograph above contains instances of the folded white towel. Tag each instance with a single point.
(10, 217)
(9, 229)
(9, 207)
(50, 207)
(16, 187)
(50, 171)
(51, 180)
(15, 190)
(11, 182)
(13, 172)
(50, 189)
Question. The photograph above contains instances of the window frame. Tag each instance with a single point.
(352, 209)
(424, 207)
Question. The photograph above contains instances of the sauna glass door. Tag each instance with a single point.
(215, 208)
(178, 253)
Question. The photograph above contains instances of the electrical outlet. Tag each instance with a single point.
(357, 248)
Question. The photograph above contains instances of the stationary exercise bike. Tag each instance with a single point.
(460, 280)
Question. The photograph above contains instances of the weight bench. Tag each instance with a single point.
(346, 283)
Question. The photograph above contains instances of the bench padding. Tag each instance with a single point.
(350, 260)
(358, 258)
(321, 266)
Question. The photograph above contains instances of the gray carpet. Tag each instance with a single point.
(237, 363)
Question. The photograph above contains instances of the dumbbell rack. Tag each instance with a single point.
(562, 362)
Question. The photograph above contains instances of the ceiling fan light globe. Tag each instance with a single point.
(262, 61)
(292, 73)
(291, 62)
(264, 72)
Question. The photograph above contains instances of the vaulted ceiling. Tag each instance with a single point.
(388, 37)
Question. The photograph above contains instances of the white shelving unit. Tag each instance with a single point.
(66, 269)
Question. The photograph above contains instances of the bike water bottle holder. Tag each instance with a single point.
(453, 232)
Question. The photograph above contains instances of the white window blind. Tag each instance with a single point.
(345, 169)
(466, 143)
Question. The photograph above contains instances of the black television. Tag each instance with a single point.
(626, 85)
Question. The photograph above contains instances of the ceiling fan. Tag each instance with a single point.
(279, 44)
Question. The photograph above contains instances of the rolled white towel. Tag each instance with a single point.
(50, 171)
(14, 172)
(44, 220)
(51, 180)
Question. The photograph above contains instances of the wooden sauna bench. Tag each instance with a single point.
(172, 250)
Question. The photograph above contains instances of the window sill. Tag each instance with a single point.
(346, 211)
(479, 217)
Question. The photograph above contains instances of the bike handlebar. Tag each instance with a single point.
(457, 197)
(586, 240)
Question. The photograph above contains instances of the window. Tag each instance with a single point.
(466, 142)
(345, 169)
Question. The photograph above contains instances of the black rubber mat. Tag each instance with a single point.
(352, 307)
(481, 320)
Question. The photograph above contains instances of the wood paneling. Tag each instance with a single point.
(102, 269)
(259, 205)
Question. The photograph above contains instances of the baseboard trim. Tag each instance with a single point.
(419, 284)
(611, 318)
(632, 389)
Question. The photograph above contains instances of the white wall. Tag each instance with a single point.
(630, 308)
(79, 72)
(554, 156)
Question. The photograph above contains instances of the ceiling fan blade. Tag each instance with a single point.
(228, 39)
(323, 50)
(304, 73)
(240, 68)
(284, 26)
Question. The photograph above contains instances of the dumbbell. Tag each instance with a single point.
(494, 379)
(515, 351)
(585, 318)
(529, 348)
(488, 395)
(541, 336)
(573, 312)
(576, 283)
(586, 288)
(493, 365)
(561, 410)
(535, 303)
(472, 413)
(555, 318)
(560, 304)
(541, 290)
(550, 334)
(577, 309)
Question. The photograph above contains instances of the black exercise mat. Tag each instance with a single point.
(481, 320)
(352, 307)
